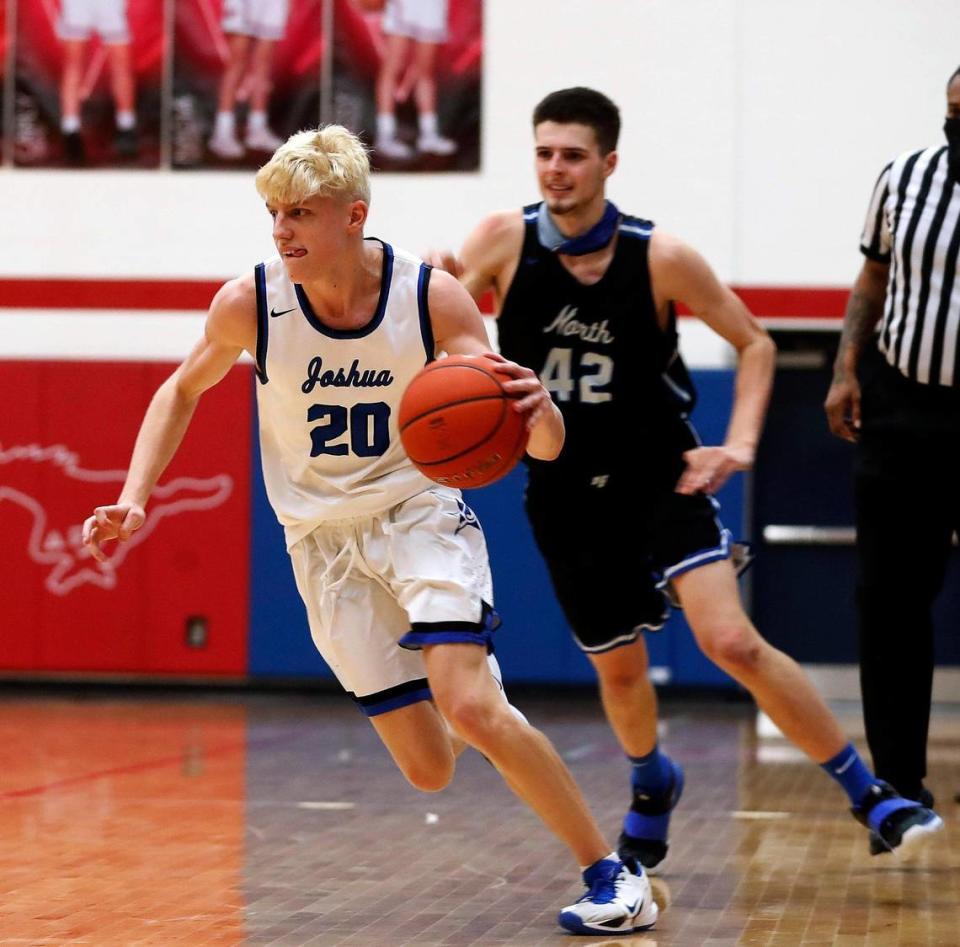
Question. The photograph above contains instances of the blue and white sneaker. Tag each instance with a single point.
(645, 826)
(896, 824)
(618, 900)
(877, 845)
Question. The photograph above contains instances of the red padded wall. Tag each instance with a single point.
(66, 433)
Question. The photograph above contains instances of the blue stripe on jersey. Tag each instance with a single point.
(634, 230)
(386, 274)
(426, 327)
(260, 279)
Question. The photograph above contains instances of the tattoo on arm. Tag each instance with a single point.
(863, 314)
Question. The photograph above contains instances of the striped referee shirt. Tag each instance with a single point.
(913, 223)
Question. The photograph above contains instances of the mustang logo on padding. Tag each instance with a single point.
(54, 540)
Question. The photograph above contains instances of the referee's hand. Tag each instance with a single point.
(843, 407)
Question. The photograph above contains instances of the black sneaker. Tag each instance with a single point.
(650, 847)
(73, 149)
(877, 845)
(904, 824)
(125, 143)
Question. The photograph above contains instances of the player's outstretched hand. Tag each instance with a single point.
(532, 399)
(444, 260)
(709, 468)
(843, 408)
(119, 521)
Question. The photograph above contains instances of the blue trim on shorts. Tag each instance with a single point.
(412, 692)
(415, 640)
(628, 637)
(700, 558)
(423, 633)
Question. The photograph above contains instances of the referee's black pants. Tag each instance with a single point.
(907, 492)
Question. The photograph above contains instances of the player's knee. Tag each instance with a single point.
(623, 679)
(735, 647)
(429, 775)
(475, 719)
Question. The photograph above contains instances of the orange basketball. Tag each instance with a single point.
(458, 425)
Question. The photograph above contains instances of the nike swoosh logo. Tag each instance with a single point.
(841, 770)
(634, 908)
(283, 312)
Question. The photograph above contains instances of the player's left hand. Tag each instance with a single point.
(709, 468)
(531, 398)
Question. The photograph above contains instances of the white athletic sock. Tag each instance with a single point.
(386, 125)
(256, 121)
(126, 120)
(70, 124)
(612, 857)
(224, 124)
(428, 123)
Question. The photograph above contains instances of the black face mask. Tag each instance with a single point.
(951, 128)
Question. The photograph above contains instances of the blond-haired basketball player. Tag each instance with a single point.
(392, 567)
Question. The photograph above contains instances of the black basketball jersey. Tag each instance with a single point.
(616, 376)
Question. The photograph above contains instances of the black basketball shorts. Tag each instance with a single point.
(610, 556)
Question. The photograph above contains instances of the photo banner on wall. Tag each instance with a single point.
(246, 75)
(220, 84)
(88, 78)
(407, 76)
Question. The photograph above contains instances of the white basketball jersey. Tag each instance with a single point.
(328, 398)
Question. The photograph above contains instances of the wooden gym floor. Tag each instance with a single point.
(151, 818)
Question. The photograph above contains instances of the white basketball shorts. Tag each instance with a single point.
(80, 19)
(379, 588)
(422, 20)
(262, 19)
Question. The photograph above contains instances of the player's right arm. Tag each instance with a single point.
(230, 328)
(864, 311)
(489, 256)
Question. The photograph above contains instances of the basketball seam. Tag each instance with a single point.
(452, 404)
(446, 460)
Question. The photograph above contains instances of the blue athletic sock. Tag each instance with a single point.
(651, 774)
(849, 770)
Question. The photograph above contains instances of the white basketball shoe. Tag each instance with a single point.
(618, 900)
